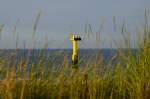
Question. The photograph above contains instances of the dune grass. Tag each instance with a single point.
(125, 76)
(129, 79)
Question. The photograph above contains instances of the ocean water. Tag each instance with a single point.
(57, 56)
(54, 59)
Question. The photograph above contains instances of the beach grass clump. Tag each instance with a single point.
(126, 75)
(128, 79)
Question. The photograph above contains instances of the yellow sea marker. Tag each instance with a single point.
(75, 40)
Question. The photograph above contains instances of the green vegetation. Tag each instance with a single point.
(126, 78)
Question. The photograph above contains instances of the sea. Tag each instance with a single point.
(57, 56)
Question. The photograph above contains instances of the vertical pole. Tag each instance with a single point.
(75, 40)
(75, 55)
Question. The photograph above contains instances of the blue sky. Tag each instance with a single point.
(60, 17)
